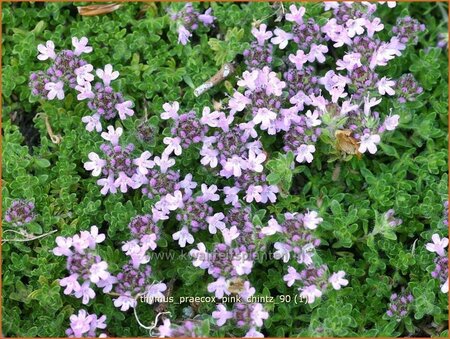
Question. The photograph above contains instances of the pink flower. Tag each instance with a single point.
(112, 135)
(390, 4)
(369, 103)
(234, 166)
(317, 53)
(83, 74)
(107, 74)
(299, 59)
(183, 35)
(210, 119)
(312, 119)
(224, 121)
(292, 276)
(355, 26)
(81, 323)
(81, 46)
(337, 92)
(107, 184)
(241, 264)
(310, 293)
(253, 193)
(348, 107)
(107, 284)
(282, 38)
(296, 15)
(149, 241)
(98, 322)
(47, 51)
(231, 195)
(337, 33)
(304, 153)
(221, 315)
(162, 206)
(92, 122)
(253, 333)
(437, 245)
(265, 117)
(391, 122)
(444, 287)
(282, 252)
(385, 86)
(71, 283)
(219, 288)
(124, 109)
(164, 329)
(209, 193)
(125, 302)
(249, 129)
(159, 215)
(311, 220)
(136, 252)
(155, 291)
(85, 92)
(164, 162)
(374, 26)
(268, 193)
(95, 165)
(261, 34)
(238, 102)
(337, 280)
(254, 161)
(249, 79)
(81, 242)
(327, 5)
(174, 201)
(173, 145)
(183, 236)
(144, 162)
(229, 234)
(187, 184)
(170, 111)
(209, 156)
(63, 248)
(273, 227)
(300, 99)
(258, 315)
(386, 52)
(206, 18)
(215, 222)
(98, 272)
(124, 181)
(85, 292)
(305, 256)
(200, 256)
(95, 237)
(247, 291)
(55, 89)
(369, 142)
(349, 62)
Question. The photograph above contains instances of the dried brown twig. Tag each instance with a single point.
(97, 9)
(221, 75)
(56, 138)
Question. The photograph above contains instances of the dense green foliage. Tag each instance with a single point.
(408, 174)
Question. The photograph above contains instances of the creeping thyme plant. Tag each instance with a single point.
(225, 169)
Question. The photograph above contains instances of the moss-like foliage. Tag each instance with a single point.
(409, 174)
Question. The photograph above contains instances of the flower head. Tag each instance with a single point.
(369, 143)
(81, 45)
(437, 245)
(261, 34)
(46, 51)
(337, 280)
